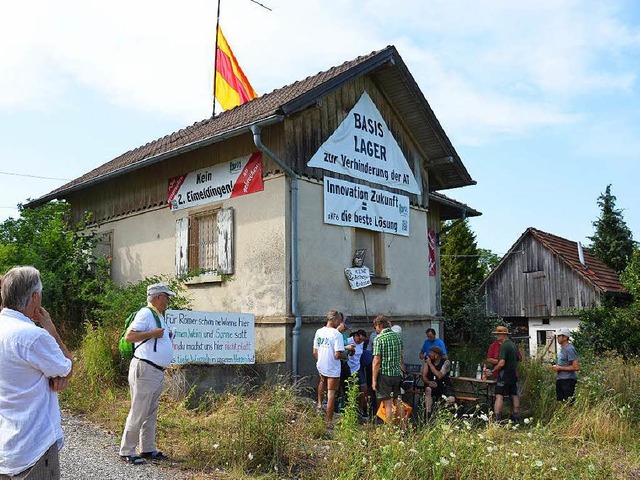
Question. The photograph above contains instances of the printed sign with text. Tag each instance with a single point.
(363, 147)
(219, 182)
(212, 337)
(354, 205)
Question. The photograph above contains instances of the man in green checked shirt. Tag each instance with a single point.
(388, 366)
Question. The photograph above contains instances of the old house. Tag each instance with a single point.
(543, 282)
(268, 203)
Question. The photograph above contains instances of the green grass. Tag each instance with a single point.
(273, 431)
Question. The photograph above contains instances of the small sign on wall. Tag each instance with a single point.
(212, 337)
(359, 277)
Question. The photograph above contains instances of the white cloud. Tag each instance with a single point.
(487, 68)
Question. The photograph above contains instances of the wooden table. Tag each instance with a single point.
(472, 387)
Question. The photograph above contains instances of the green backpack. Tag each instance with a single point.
(126, 348)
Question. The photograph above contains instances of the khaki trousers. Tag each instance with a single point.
(47, 468)
(145, 384)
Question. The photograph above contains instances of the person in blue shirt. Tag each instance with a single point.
(432, 341)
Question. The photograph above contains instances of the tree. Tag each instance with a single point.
(461, 273)
(488, 261)
(45, 238)
(612, 327)
(612, 241)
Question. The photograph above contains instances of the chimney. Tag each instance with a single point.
(581, 255)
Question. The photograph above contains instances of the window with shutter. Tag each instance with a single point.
(204, 242)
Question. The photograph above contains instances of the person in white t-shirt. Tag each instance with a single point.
(152, 354)
(328, 350)
(34, 365)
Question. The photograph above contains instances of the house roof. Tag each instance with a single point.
(388, 71)
(595, 273)
(451, 209)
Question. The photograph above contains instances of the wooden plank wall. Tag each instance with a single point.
(146, 188)
(533, 282)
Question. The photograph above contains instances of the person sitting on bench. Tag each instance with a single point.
(435, 374)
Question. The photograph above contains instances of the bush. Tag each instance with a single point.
(46, 238)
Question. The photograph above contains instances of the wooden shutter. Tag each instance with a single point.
(182, 246)
(225, 241)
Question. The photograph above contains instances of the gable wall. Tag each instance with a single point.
(309, 129)
(531, 281)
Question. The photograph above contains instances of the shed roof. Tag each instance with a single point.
(595, 273)
(388, 71)
(451, 209)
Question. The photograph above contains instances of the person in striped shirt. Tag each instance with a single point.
(388, 366)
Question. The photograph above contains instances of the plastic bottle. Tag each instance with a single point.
(479, 372)
(484, 372)
(457, 368)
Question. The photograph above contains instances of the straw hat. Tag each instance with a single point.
(501, 330)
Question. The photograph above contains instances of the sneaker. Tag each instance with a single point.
(132, 459)
(155, 455)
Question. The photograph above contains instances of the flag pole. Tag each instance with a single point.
(215, 60)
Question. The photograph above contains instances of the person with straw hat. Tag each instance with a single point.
(505, 373)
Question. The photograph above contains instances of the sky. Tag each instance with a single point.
(540, 99)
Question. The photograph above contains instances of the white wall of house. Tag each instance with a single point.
(326, 250)
(537, 334)
(144, 245)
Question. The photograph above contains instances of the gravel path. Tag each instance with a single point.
(91, 453)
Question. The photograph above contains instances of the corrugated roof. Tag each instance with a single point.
(389, 71)
(596, 271)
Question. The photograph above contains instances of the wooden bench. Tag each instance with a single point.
(462, 398)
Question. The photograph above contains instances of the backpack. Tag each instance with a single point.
(127, 349)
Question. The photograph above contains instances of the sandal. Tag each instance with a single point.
(132, 459)
(156, 455)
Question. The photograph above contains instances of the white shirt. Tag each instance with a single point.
(354, 360)
(29, 411)
(143, 322)
(328, 341)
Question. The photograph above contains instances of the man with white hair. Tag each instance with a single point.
(566, 368)
(34, 365)
(153, 352)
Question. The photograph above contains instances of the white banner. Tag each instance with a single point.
(219, 182)
(359, 277)
(354, 205)
(363, 147)
(212, 337)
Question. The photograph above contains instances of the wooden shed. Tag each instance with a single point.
(543, 282)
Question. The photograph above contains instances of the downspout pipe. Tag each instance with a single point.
(257, 139)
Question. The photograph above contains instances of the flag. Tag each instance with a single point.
(231, 86)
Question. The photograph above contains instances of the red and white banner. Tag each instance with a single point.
(226, 180)
(433, 265)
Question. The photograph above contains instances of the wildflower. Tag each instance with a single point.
(555, 469)
(364, 460)
(538, 463)
(401, 443)
(530, 435)
(413, 450)
(518, 442)
(397, 465)
(452, 455)
(490, 449)
(484, 417)
(527, 421)
(250, 456)
(364, 442)
(215, 445)
(515, 454)
(444, 461)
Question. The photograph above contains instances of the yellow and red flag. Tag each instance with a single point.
(231, 85)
